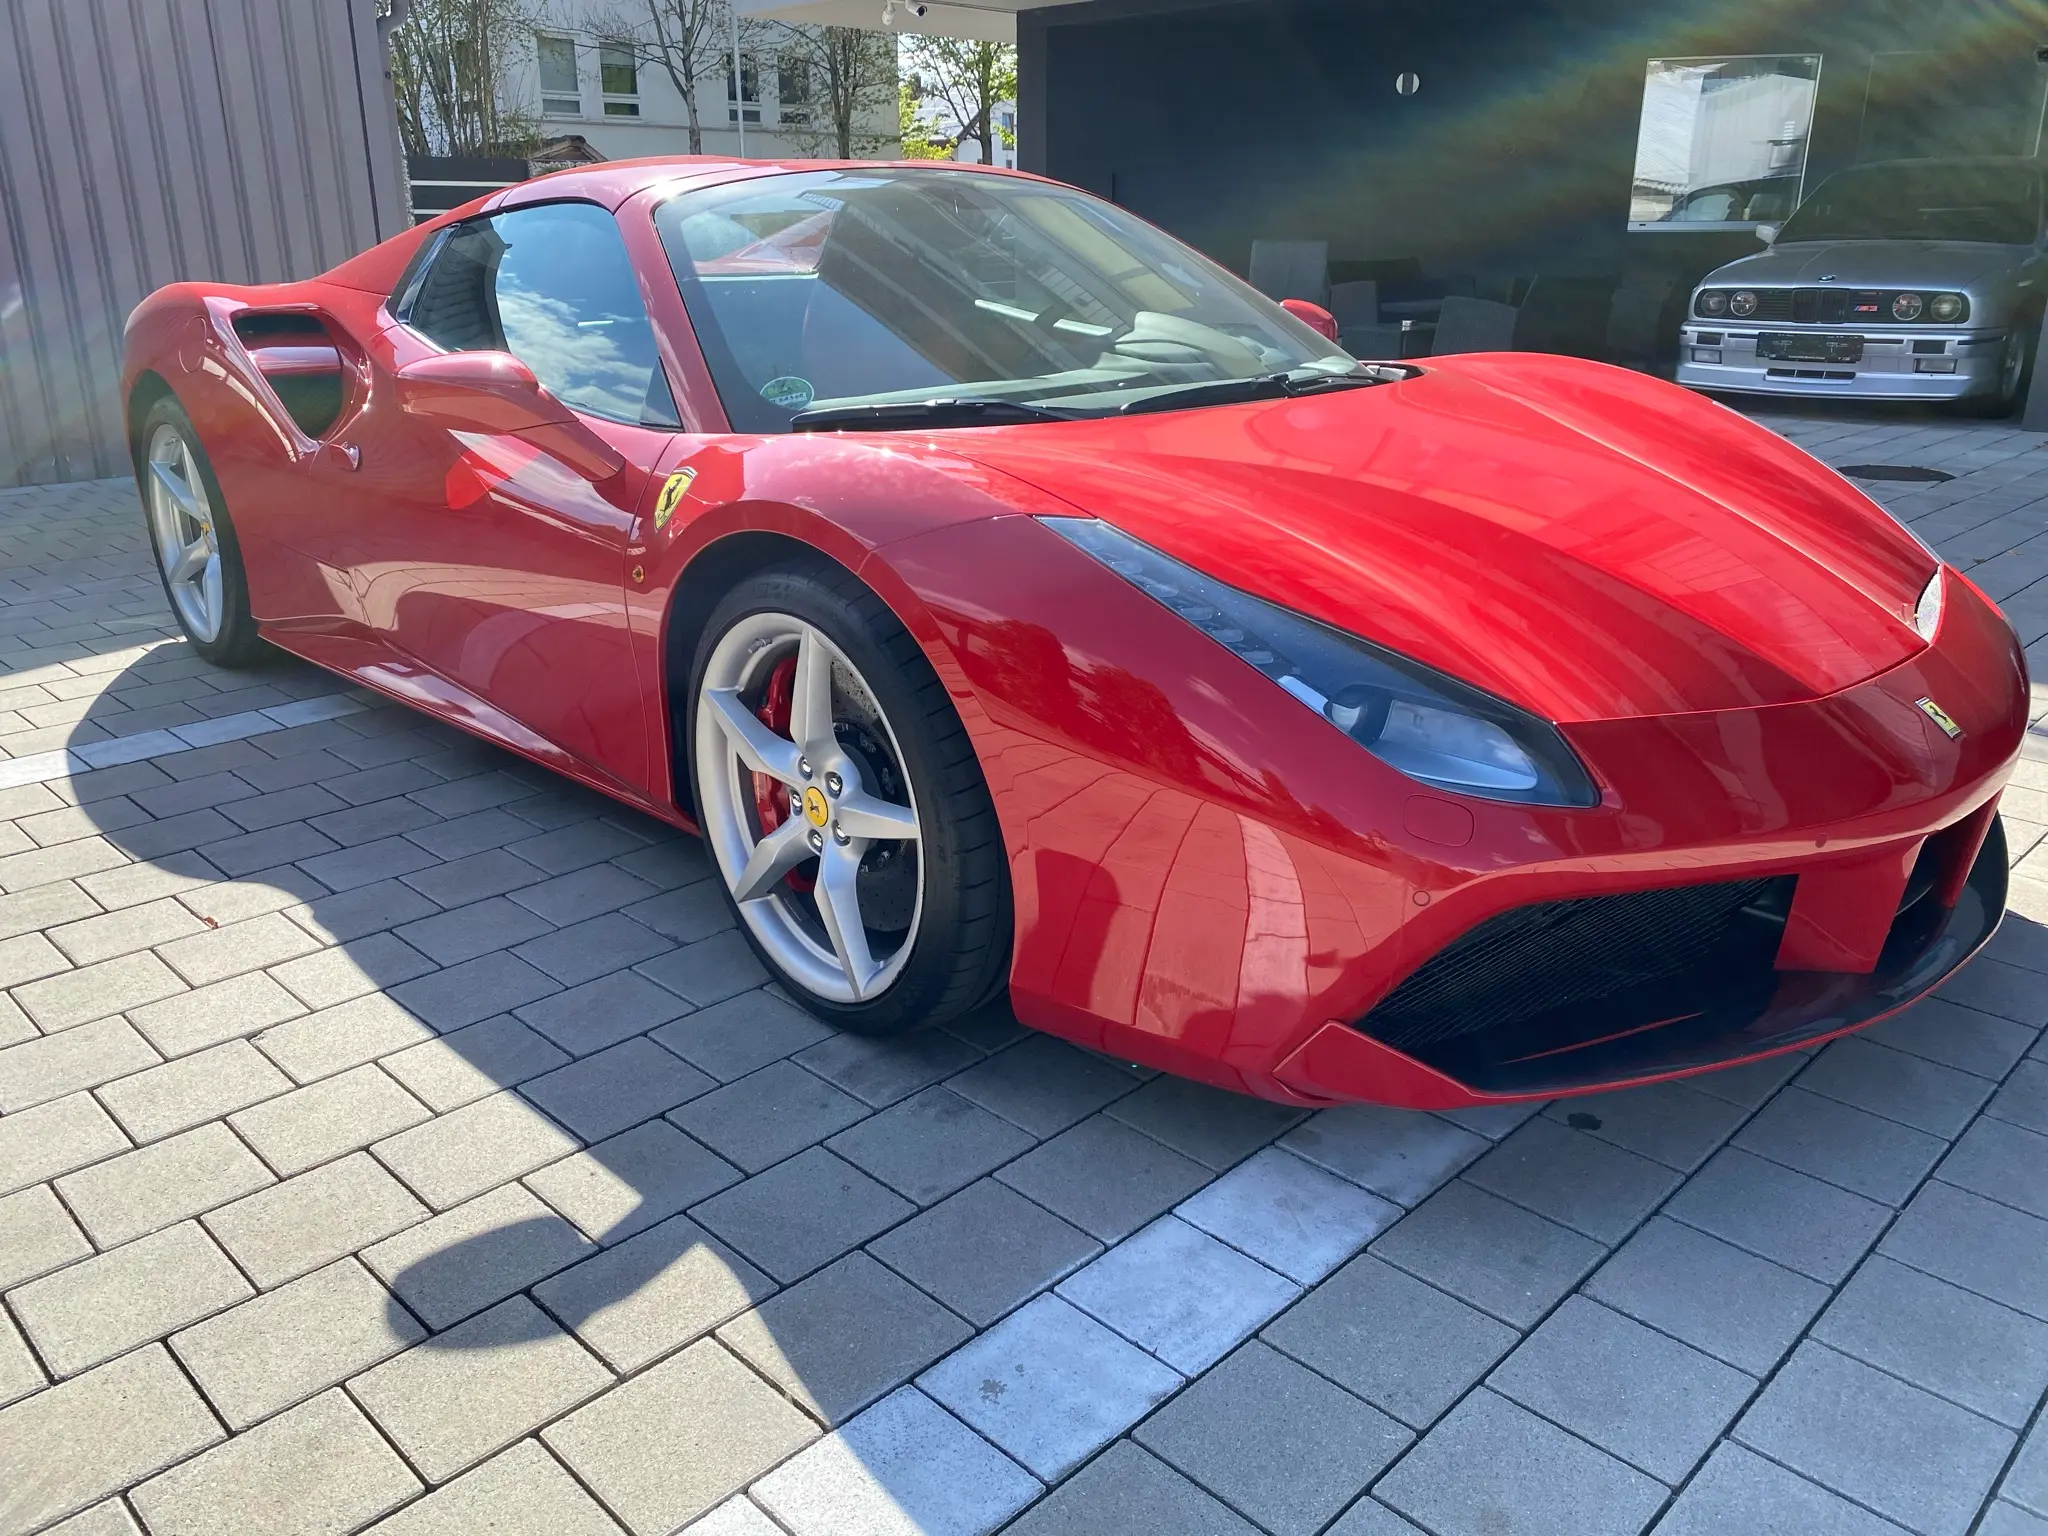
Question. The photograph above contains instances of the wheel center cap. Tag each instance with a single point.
(815, 810)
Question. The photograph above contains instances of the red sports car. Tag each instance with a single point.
(1014, 599)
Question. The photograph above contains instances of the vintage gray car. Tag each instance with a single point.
(1901, 280)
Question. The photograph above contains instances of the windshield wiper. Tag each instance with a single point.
(1265, 386)
(924, 413)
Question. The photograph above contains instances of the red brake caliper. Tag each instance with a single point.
(771, 795)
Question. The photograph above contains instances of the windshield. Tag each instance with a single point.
(828, 289)
(1999, 204)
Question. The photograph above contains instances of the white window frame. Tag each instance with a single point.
(610, 98)
(552, 103)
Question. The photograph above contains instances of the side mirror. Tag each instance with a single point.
(495, 392)
(1767, 233)
(1314, 316)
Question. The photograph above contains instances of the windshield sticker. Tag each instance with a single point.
(789, 392)
(671, 493)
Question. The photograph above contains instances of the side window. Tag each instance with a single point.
(553, 286)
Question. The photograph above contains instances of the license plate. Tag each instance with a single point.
(1782, 348)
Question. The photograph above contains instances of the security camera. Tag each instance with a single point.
(916, 8)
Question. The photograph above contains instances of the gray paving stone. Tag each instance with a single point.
(845, 1337)
(931, 1144)
(1670, 1123)
(595, 947)
(1751, 1083)
(631, 1181)
(708, 971)
(359, 969)
(519, 1492)
(226, 1010)
(1398, 1154)
(473, 990)
(19, 1373)
(318, 1045)
(1889, 1446)
(97, 1434)
(1865, 1153)
(880, 1071)
(802, 1213)
(472, 1062)
(1996, 986)
(603, 1012)
(1983, 1247)
(216, 954)
(1738, 1490)
(321, 1121)
(1497, 1256)
(1043, 1085)
(1954, 1343)
(111, 935)
(1909, 1089)
(386, 858)
(460, 1154)
(1211, 1126)
(2003, 1519)
(161, 1101)
(1179, 1294)
(2026, 1484)
(346, 916)
(985, 1250)
(903, 1466)
(740, 1035)
(268, 890)
(1403, 1346)
(653, 1293)
(1956, 1036)
(1049, 1385)
(585, 893)
(1334, 1443)
(52, 908)
(1289, 1214)
(694, 912)
(2024, 1098)
(577, 845)
(466, 1393)
(1105, 1177)
(477, 877)
(319, 1470)
(1718, 1298)
(1124, 1490)
(479, 928)
(1368, 1517)
(679, 861)
(104, 1306)
(461, 836)
(83, 1056)
(1494, 1469)
(294, 1227)
(1589, 1185)
(1780, 1214)
(2002, 1162)
(244, 855)
(667, 1445)
(622, 1085)
(54, 1138)
(166, 1182)
(464, 1260)
(288, 1344)
(1629, 1390)
(37, 1235)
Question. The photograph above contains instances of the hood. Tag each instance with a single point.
(1586, 542)
(1872, 264)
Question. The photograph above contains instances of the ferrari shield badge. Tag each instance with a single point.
(671, 494)
(1940, 717)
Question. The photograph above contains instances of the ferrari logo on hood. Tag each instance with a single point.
(1940, 717)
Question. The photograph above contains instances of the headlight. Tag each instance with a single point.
(1411, 717)
(1713, 302)
(1907, 306)
(1927, 612)
(1742, 302)
(1947, 308)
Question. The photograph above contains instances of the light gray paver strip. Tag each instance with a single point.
(105, 1305)
(37, 1235)
(653, 1293)
(520, 1492)
(162, 1183)
(307, 1221)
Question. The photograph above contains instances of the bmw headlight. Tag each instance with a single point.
(1712, 302)
(1948, 308)
(1927, 612)
(1742, 303)
(1411, 717)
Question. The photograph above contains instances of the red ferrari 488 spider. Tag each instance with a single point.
(1013, 598)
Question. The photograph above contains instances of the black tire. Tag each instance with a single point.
(237, 645)
(2010, 393)
(961, 953)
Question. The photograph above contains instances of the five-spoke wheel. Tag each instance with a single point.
(194, 538)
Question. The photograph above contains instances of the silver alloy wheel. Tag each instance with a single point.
(181, 525)
(822, 939)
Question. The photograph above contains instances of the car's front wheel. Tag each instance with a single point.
(2015, 368)
(197, 553)
(844, 806)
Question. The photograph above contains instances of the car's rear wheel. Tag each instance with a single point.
(197, 554)
(844, 806)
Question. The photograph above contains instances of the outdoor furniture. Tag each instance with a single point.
(1292, 269)
(1473, 325)
(1359, 328)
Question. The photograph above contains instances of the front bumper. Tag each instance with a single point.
(1891, 368)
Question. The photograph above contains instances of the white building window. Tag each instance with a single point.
(619, 75)
(560, 96)
(750, 91)
(792, 89)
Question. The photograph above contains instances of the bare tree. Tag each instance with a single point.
(965, 81)
(449, 65)
(851, 78)
(688, 40)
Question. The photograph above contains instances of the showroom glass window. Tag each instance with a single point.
(552, 285)
(860, 286)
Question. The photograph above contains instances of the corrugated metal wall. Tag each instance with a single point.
(145, 142)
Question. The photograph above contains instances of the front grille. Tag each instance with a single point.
(1521, 965)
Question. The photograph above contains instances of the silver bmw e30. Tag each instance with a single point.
(1897, 280)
